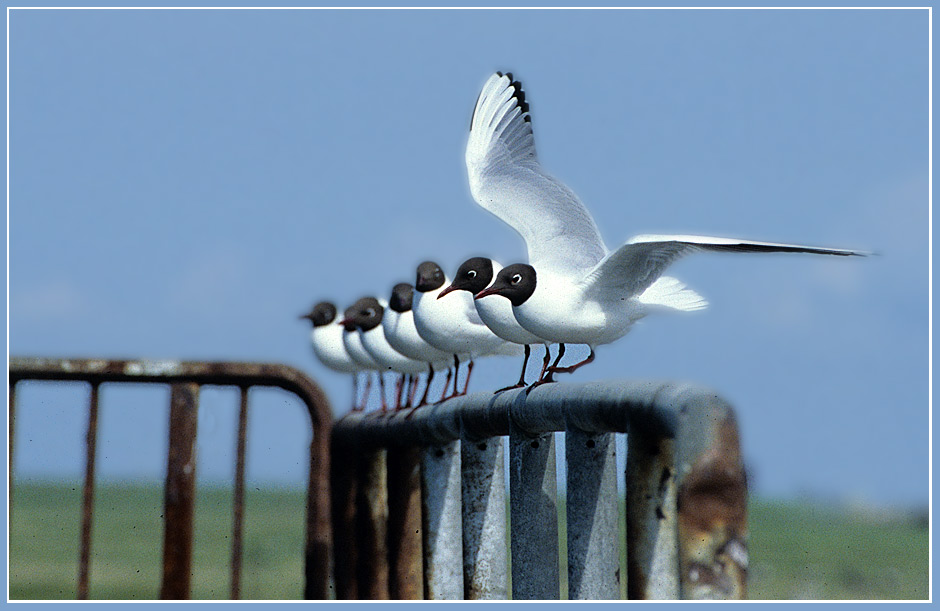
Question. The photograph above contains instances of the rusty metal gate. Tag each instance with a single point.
(419, 507)
(184, 379)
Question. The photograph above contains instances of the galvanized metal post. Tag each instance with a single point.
(344, 481)
(483, 485)
(238, 494)
(443, 534)
(88, 494)
(593, 533)
(533, 515)
(406, 570)
(652, 520)
(180, 492)
(372, 524)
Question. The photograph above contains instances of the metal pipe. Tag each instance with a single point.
(88, 494)
(443, 533)
(406, 567)
(372, 524)
(238, 494)
(345, 486)
(483, 492)
(180, 491)
(533, 516)
(592, 516)
(652, 528)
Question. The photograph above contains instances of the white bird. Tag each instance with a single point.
(476, 274)
(398, 323)
(453, 325)
(352, 341)
(574, 289)
(368, 316)
(327, 340)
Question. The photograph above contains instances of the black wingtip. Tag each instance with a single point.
(519, 94)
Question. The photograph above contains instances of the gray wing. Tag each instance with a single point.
(633, 267)
(507, 180)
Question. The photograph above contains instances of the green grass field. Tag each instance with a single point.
(796, 550)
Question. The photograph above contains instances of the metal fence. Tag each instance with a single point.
(419, 507)
(184, 379)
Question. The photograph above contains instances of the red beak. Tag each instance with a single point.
(485, 292)
(345, 322)
(449, 289)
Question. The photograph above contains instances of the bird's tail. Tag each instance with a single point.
(672, 294)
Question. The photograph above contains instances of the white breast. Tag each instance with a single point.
(328, 346)
(378, 348)
(400, 331)
(357, 351)
(452, 324)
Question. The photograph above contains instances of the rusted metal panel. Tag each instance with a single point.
(592, 516)
(180, 492)
(238, 494)
(652, 529)
(344, 480)
(406, 566)
(318, 533)
(443, 532)
(712, 502)
(533, 516)
(485, 549)
(372, 524)
(88, 494)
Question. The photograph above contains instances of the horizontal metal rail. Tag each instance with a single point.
(686, 489)
(184, 378)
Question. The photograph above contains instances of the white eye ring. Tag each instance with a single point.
(370, 312)
(516, 278)
(472, 273)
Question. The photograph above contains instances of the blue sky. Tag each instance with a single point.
(183, 184)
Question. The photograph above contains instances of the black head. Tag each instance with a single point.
(366, 314)
(473, 275)
(514, 282)
(430, 277)
(402, 297)
(321, 314)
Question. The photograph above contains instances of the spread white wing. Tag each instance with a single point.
(633, 267)
(507, 180)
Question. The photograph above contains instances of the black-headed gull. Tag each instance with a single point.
(452, 324)
(476, 274)
(352, 341)
(574, 290)
(327, 341)
(398, 323)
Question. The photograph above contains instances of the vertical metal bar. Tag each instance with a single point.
(533, 516)
(238, 493)
(88, 493)
(406, 567)
(372, 525)
(318, 536)
(652, 521)
(712, 501)
(180, 490)
(485, 555)
(344, 482)
(443, 533)
(593, 533)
